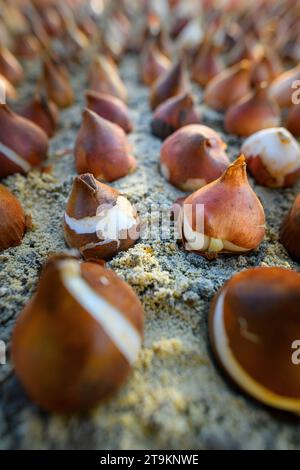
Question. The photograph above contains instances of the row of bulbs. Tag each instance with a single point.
(95, 317)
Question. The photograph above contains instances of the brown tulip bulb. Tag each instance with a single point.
(23, 145)
(98, 221)
(192, 157)
(290, 231)
(43, 113)
(12, 220)
(265, 69)
(224, 216)
(252, 113)
(104, 78)
(293, 120)
(57, 82)
(75, 349)
(171, 83)
(10, 67)
(153, 64)
(173, 114)
(102, 149)
(228, 86)
(282, 88)
(110, 108)
(245, 49)
(207, 64)
(254, 329)
(273, 157)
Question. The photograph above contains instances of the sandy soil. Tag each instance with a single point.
(176, 396)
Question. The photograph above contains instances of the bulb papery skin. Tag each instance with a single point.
(57, 83)
(265, 69)
(104, 78)
(23, 145)
(228, 86)
(153, 64)
(88, 335)
(193, 156)
(253, 313)
(251, 114)
(173, 114)
(273, 157)
(42, 113)
(110, 108)
(224, 216)
(102, 148)
(173, 82)
(206, 65)
(99, 221)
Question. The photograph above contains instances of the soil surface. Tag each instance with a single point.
(176, 396)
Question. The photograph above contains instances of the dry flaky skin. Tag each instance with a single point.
(176, 397)
(87, 199)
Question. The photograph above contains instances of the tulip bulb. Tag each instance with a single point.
(98, 221)
(173, 114)
(224, 216)
(12, 220)
(245, 49)
(265, 69)
(254, 323)
(252, 113)
(282, 88)
(293, 120)
(110, 108)
(171, 83)
(43, 113)
(57, 82)
(290, 231)
(75, 349)
(10, 67)
(23, 145)
(102, 149)
(153, 64)
(192, 157)
(273, 157)
(228, 86)
(207, 64)
(104, 78)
